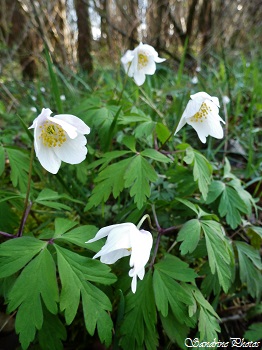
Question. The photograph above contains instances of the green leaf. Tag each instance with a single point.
(2, 160)
(129, 142)
(202, 169)
(75, 272)
(80, 235)
(145, 129)
(54, 85)
(208, 326)
(62, 226)
(16, 253)
(231, 206)
(175, 331)
(219, 252)
(249, 265)
(188, 204)
(135, 116)
(154, 154)
(101, 118)
(19, 163)
(110, 180)
(254, 332)
(137, 176)
(162, 132)
(48, 198)
(138, 329)
(215, 190)
(36, 284)
(175, 268)
(201, 301)
(52, 333)
(189, 235)
(170, 296)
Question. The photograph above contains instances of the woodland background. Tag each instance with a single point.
(84, 33)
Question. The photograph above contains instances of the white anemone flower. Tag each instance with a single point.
(59, 138)
(202, 114)
(124, 240)
(141, 61)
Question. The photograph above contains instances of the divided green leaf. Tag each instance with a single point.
(189, 235)
(202, 169)
(19, 163)
(35, 285)
(16, 253)
(250, 268)
(75, 272)
(138, 177)
(219, 252)
(138, 328)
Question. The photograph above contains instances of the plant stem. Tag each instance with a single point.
(27, 206)
(155, 251)
(5, 234)
(161, 231)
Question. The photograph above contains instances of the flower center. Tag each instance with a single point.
(142, 60)
(52, 135)
(201, 114)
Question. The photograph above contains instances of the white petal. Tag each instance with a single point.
(126, 60)
(150, 68)
(78, 123)
(69, 129)
(118, 238)
(181, 123)
(133, 284)
(201, 96)
(202, 131)
(112, 257)
(72, 151)
(141, 246)
(41, 118)
(103, 232)
(139, 78)
(191, 109)
(48, 158)
(159, 60)
(215, 100)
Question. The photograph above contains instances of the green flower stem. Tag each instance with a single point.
(143, 219)
(27, 206)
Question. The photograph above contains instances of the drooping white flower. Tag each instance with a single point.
(141, 61)
(62, 98)
(202, 114)
(124, 240)
(59, 138)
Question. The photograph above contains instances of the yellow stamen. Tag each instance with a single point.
(201, 114)
(142, 60)
(52, 135)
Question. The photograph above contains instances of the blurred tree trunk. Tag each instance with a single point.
(84, 35)
(205, 23)
(155, 13)
(128, 22)
(20, 39)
